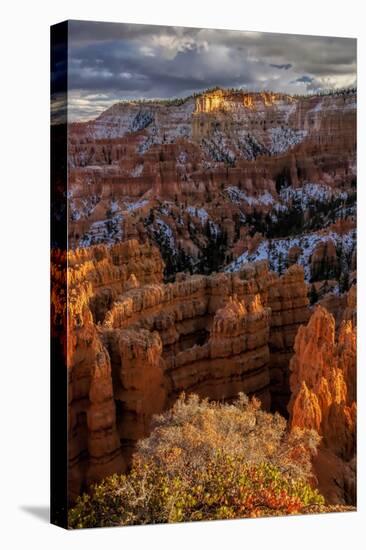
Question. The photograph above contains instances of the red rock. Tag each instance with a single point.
(136, 343)
(323, 385)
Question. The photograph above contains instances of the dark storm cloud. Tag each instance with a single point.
(285, 66)
(304, 79)
(111, 61)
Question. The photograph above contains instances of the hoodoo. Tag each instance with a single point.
(141, 346)
(323, 393)
(200, 231)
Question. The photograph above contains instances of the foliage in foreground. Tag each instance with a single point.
(208, 461)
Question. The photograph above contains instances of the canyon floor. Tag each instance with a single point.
(212, 251)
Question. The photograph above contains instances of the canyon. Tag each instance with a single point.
(212, 250)
(248, 176)
(135, 343)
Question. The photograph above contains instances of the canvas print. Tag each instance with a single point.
(203, 306)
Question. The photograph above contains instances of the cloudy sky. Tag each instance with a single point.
(110, 61)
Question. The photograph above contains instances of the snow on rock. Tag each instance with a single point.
(114, 206)
(283, 139)
(327, 103)
(114, 123)
(136, 205)
(149, 140)
(237, 196)
(141, 121)
(250, 147)
(311, 192)
(214, 229)
(163, 235)
(318, 107)
(165, 208)
(266, 198)
(82, 208)
(351, 106)
(200, 213)
(276, 250)
(289, 110)
(303, 197)
(219, 148)
(161, 122)
(204, 218)
(137, 171)
(182, 158)
(107, 231)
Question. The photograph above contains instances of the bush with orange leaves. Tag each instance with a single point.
(208, 461)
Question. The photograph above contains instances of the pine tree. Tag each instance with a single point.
(280, 263)
(313, 295)
(344, 282)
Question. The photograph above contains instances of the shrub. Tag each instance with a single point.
(207, 461)
(197, 429)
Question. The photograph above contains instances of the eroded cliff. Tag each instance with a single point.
(172, 209)
(214, 172)
(136, 343)
(323, 397)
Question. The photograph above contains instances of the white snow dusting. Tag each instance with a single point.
(276, 250)
(200, 213)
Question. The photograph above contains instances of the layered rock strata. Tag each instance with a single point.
(179, 173)
(323, 387)
(94, 276)
(141, 343)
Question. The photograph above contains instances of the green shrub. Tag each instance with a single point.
(207, 461)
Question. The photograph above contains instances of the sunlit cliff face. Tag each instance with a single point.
(266, 98)
(220, 100)
(269, 98)
(207, 103)
(248, 102)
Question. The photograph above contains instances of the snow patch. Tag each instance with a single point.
(182, 158)
(136, 205)
(137, 171)
(311, 192)
(283, 139)
(200, 213)
(237, 196)
(276, 250)
(103, 232)
(82, 208)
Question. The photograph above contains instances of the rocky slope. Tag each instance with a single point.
(245, 175)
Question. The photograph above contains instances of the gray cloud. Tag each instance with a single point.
(285, 66)
(112, 61)
(304, 79)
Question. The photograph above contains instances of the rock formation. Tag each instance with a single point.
(143, 342)
(94, 277)
(210, 172)
(323, 389)
(173, 206)
(324, 262)
(288, 301)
